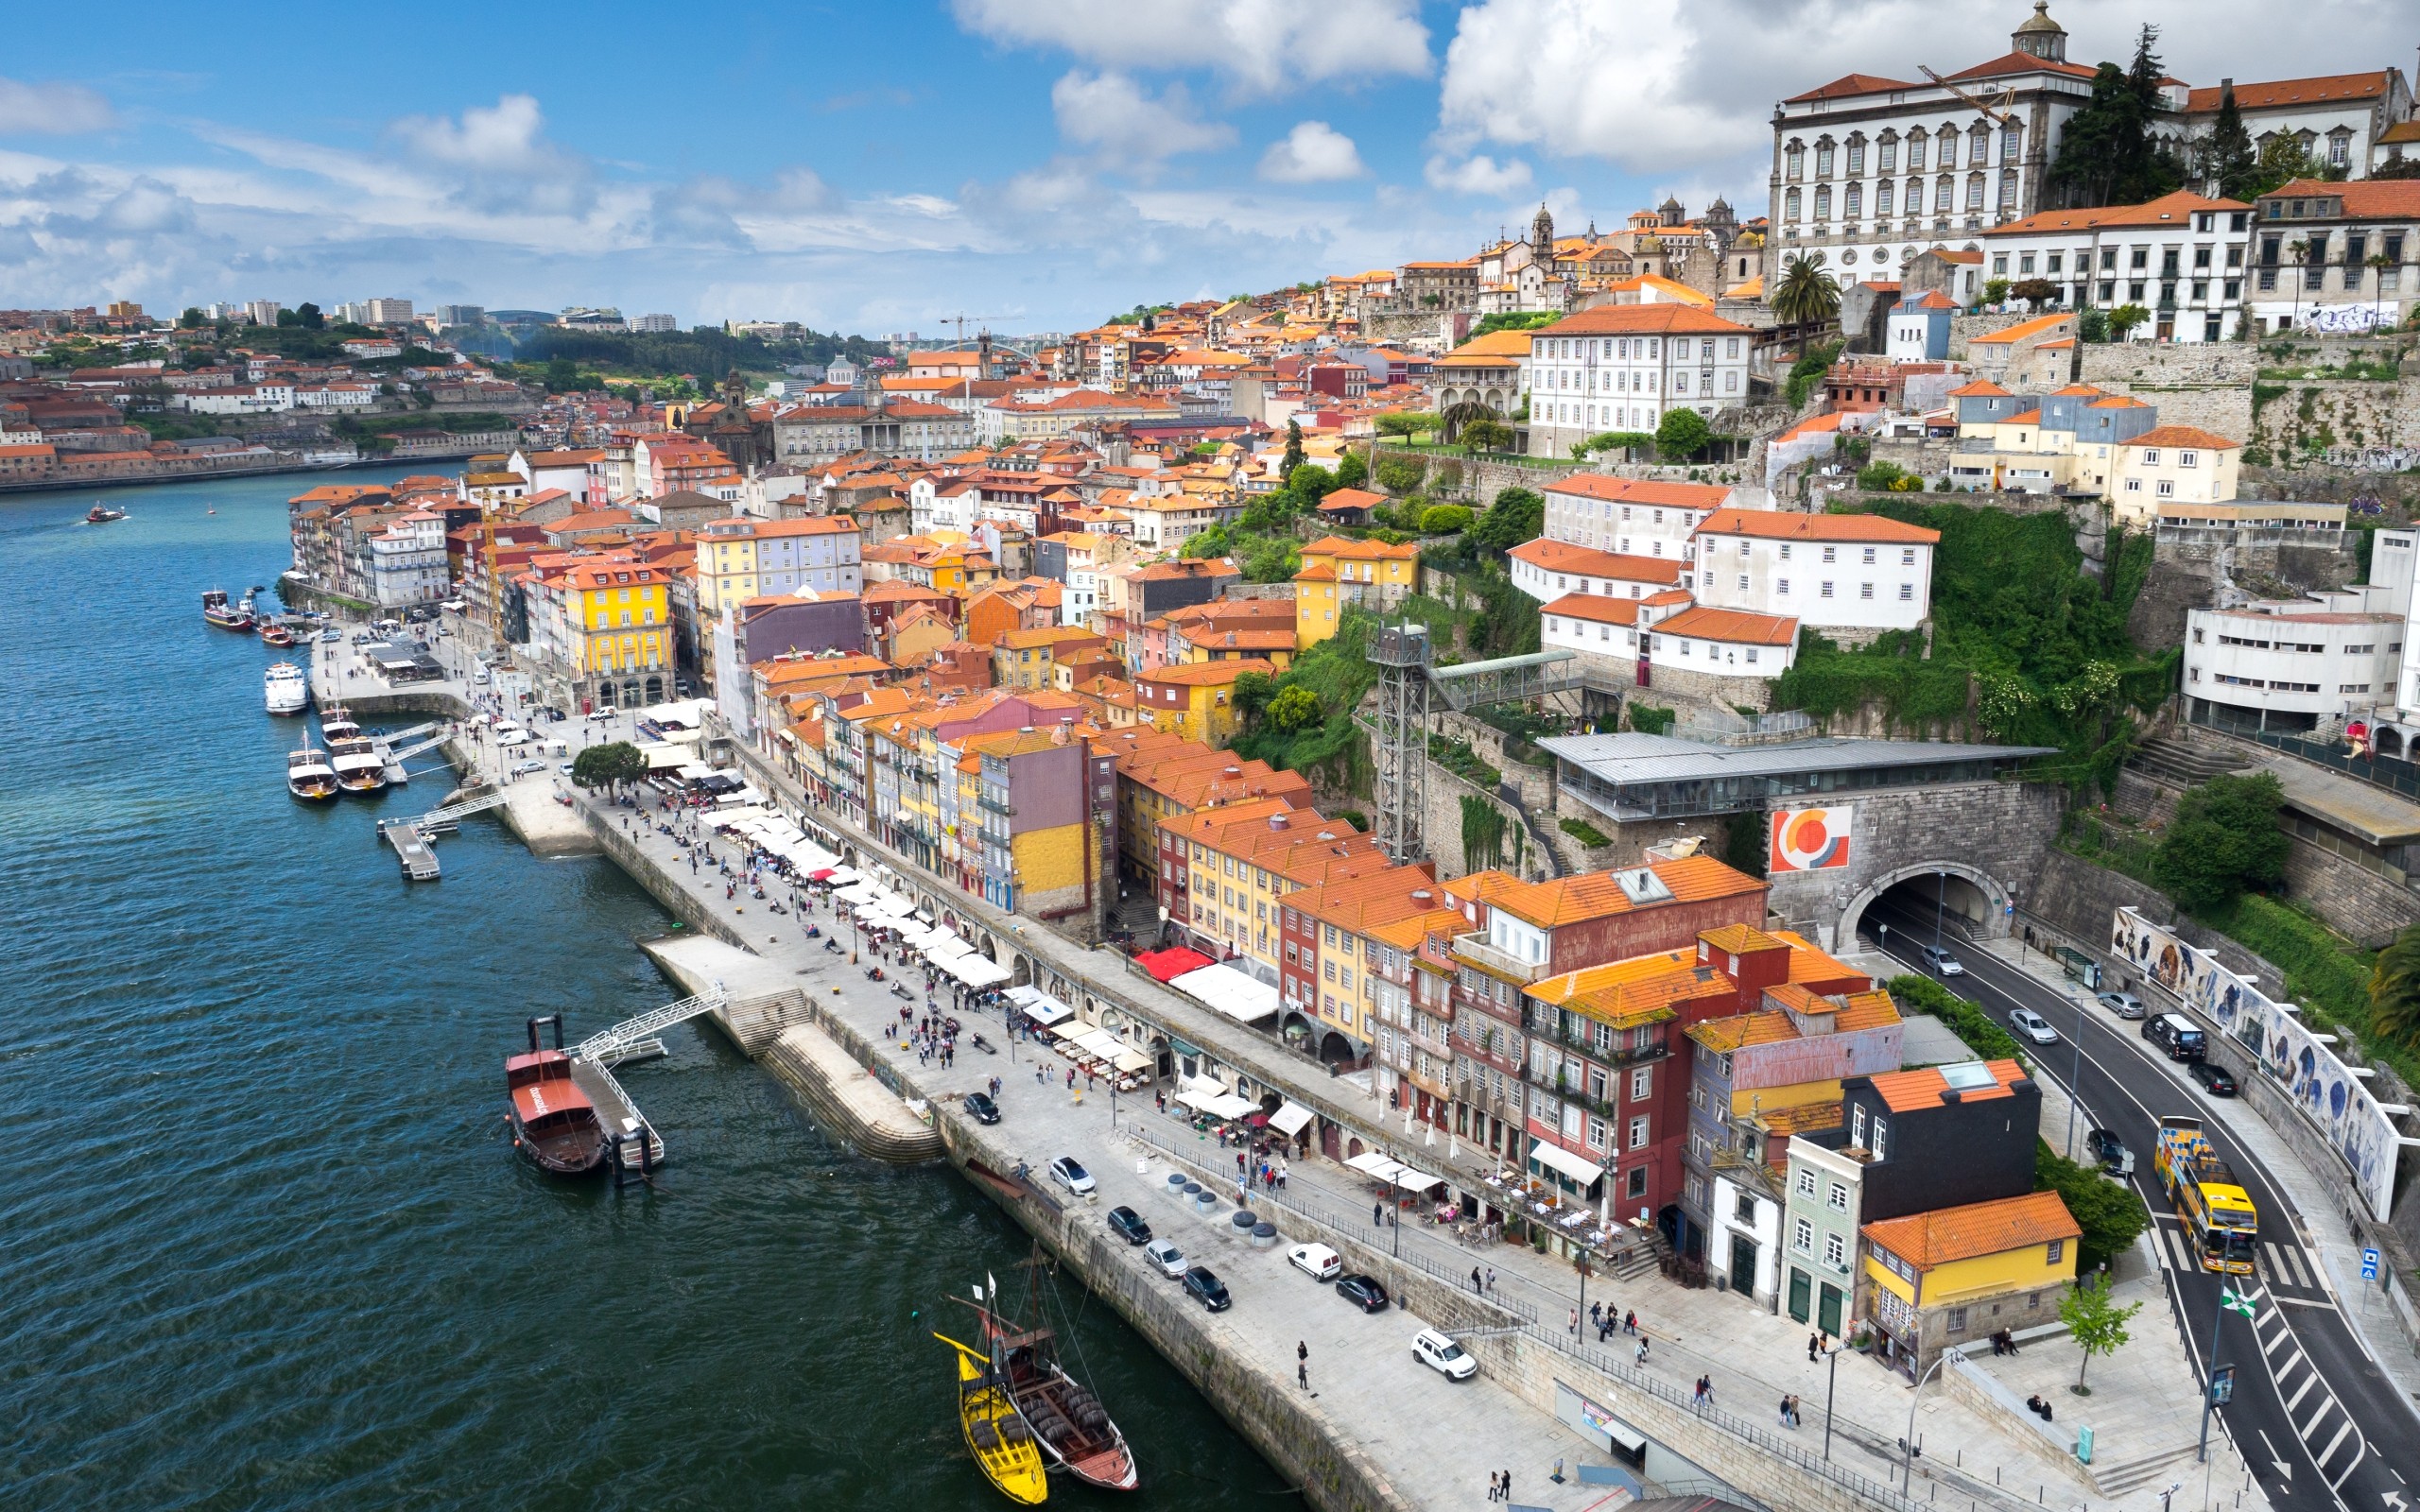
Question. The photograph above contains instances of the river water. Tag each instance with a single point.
(263, 1243)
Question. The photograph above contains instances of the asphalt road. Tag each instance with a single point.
(2320, 1423)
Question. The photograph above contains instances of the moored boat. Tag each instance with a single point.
(275, 634)
(553, 1122)
(998, 1438)
(1068, 1421)
(285, 689)
(308, 776)
(359, 768)
(227, 616)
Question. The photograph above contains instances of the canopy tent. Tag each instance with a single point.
(1242, 998)
(1132, 1061)
(1037, 1004)
(1394, 1173)
(857, 892)
(1072, 1029)
(1214, 1100)
(1100, 1042)
(726, 817)
(1562, 1162)
(946, 944)
(686, 712)
(694, 772)
(744, 793)
(845, 877)
(974, 970)
(1171, 963)
(1290, 1119)
(666, 757)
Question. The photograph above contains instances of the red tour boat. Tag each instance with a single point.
(553, 1122)
(216, 609)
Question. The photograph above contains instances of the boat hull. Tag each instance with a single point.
(998, 1438)
(579, 1152)
(314, 793)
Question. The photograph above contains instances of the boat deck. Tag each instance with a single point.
(412, 850)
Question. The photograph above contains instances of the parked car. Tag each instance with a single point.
(525, 768)
(1942, 962)
(2124, 1005)
(1207, 1289)
(511, 735)
(2215, 1080)
(2032, 1026)
(602, 714)
(1069, 1172)
(1363, 1291)
(2110, 1152)
(2177, 1035)
(980, 1108)
(1318, 1261)
(1169, 1259)
(331, 636)
(1130, 1224)
(1442, 1355)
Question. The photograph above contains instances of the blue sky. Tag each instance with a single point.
(1039, 163)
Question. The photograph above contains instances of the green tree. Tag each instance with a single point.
(2110, 1215)
(1252, 692)
(1295, 709)
(1880, 477)
(1293, 457)
(1996, 290)
(1399, 474)
(1486, 435)
(1351, 470)
(2394, 990)
(608, 765)
(2108, 152)
(1445, 519)
(2283, 159)
(2092, 326)
(2228, 156)
(191, 320)
(1805, 296)
(2038, 292)
(2223, 839)
(2096, 1324)
(1683, 435)
(1517, 515)
(2124, 319)
(563, 375)
(1406, 422)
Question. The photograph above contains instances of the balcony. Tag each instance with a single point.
(994, 805)
(1478, 951)
(1631, 1055)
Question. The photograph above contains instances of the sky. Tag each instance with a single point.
(1033, 165)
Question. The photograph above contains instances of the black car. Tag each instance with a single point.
(1130, 1223)
(1363, 1291)
(2215, 1080)
(983, 1109)
(1207, 1289)
(2110, 1152)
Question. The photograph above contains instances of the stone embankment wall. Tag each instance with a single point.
(2190, 567)
(2329, 412)
(2206, 384)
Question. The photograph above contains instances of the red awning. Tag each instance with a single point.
(819, 876)
(1171, 963)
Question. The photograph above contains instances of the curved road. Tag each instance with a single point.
(2313, 1415)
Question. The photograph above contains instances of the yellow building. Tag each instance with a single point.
(615, 623)
(1238, 860)
(1955, 1273)
(1196, 700)
(1315, 607)
(1368, 572)
(2172, 465)
(1023, 659)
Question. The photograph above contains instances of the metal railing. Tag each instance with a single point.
(2381, 771)
(610, 1043)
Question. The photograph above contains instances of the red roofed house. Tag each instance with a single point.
(2341, 226)
(1850, 576)
(1624, 367)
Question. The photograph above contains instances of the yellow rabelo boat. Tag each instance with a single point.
(1002, 1445)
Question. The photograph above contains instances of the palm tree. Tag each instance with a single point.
(2394, 990)
(1805, 297)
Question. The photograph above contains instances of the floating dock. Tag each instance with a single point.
(412, 850)
(618, 1114)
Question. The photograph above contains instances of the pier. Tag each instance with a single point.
(411, 849)
(618, 1113)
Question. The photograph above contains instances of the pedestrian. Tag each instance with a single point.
(1039, 1075)
(1495, 1491)
(1815, 1344)
(1475, 1286)
(1596, 1313)
(1490, 1278)
(1641, 1357)
(1630, 1325)
(1784, 1412)
(1507, 1476)
(1303, 1374)
(1792, 1400)
(1697, 1398)
(1378, 1215)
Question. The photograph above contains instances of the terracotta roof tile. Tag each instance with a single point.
(1926, 1240)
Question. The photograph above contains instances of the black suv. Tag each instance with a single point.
(980, 1108)
(1363, 1291)
(1126, 1221)
(2215, 1080)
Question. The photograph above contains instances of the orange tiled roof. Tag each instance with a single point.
(1774, 525)
(1926, 1240)
(2183, 435)
(1562, 557)
(1905, 1090)
(1736, 626)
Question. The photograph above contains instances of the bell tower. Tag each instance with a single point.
(2040, 36)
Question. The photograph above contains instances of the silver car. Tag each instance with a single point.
(2124, 1005)
(1167, 1258)
(2032, 1026)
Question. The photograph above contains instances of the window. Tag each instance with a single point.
(1635, 1184)
(1857, 1126)
(1827, 588)
(1857, 154)
(1881, 1128)
(1836, 1249)
(1838, 1200)
(1802, 1237)
(1805, 1176)
(1907, 592)
(1642, 1082)
(1781, 586)
(1956, 1320)
(1824, 159)
(1638, 1132)
(2054, 1251)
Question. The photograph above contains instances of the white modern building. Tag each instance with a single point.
(1851, 577)
(2288, 664)
(1624, 367)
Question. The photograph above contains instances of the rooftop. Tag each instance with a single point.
(1947, 1234)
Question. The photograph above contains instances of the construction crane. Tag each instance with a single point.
(960, 320)
(1998, 114)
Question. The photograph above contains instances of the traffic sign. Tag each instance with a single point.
(2369, 1264)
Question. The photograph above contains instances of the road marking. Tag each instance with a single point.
(2319, 1415)
(2310, 1382)
(2308, 1301)
(2324, 1455)
(2270, 1346)
(2176, 1241)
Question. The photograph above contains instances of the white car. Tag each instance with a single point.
(511, 735)
(1318, 1261)
(1942, 962)
(1169, 1259)
(525, 768)
(1069, 1172)
(2034, 1026)
(602, 714)
(1442, 1355)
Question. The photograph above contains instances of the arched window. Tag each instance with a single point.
(1823, 157)
(1979, 145)
(1916, 150)
(1794, 159)
(1887, 153)
(1789, 205)
(1974, 192)
(1883, 198)
(1853, 201)
(1948, 137)
(1823, 201)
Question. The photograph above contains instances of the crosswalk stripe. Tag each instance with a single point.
(2317, 1415)
(2288, 1365)
(2306, 1269)
(2269, 1347)
(2324, 1454)
(2303, 1390)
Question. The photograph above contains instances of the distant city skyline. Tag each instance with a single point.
(1035, 165)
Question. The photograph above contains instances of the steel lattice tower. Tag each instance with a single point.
(1399, 746)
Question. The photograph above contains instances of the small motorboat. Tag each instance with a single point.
(553, 1122)
(273, 633)
(1001, 1443)
(101, 514)
(217, 611)
(308, 776)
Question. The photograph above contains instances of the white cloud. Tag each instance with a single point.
(497, 157)
(1313, 152)
(1123, 126)
(1262, 44)
(1478, 174)
(51, 109)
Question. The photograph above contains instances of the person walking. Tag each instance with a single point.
(1378, 1215)
(1814, 1347)
(1575, 1322)
(1596, 1313)
(1630, 1325)
(1495, 1491)
(1476, 1287)
(1640, 1358)
(1490, 1278)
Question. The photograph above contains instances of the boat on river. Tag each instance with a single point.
(285, 689)
(217, 611)
(275, 634)
(1075, 1431)
(308, 776)
(101, 514)
(996, 1435)
(553, 1122)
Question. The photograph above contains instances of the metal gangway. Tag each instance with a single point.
(399, 757)
(446, 817)
(635, 1038)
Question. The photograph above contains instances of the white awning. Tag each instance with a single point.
(1214, 1100)
(857, 892)
(1394, 1173)
(843, 877)
(727, 817)
(1371, 1163)
(974, 970)
(1556, 1159)
(947, 946)
(1133, 1060)
(694, 772)
(1101, 1042)
(1290, 1119)
(1242, 998)
(1037, 1005)
(685, 712)
(666, 757)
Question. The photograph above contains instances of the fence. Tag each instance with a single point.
(2380, 771)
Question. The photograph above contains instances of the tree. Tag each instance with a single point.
(608, 765)
(1805, 296)
(2110, 1215)
(2124, 319)
(2394, 990)
(1295, 708)
(2092, 326)
(563, 375)
(1517, 515)
(1406, 422)
(1884, 477)
(2096, 1324)
(1350, 472)
(2223, 839)
(1252, 692)
(2227, 158)
(1445, 519)
(2108, 154)
(1996, 291)
(1293, 457)
(1682, 434)
(1486, 435)
(2034, 291)
(191, 320)
(2283, 159)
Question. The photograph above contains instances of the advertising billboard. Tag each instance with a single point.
(1811, 839)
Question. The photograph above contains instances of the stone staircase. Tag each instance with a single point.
(755, 1023)
(2180, 763)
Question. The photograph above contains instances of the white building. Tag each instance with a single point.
(1623, 367)
(337, 396)
(388, 312)
(1548, 569)
(1601, 629)
(1632, 517)
(262, 312)
(1723, 643)
(2313, 242)
(2338, 119)
(2288, 664)
(1743, 1214)
(2181, 256)
(1848, 575)
(655, 322)
(2171, 464)
(239, 399)
(408, 559)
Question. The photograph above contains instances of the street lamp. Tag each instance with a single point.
(1907, 1445)
(1939, 906)
(1831, 1380)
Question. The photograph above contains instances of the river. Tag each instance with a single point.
(263, 1243)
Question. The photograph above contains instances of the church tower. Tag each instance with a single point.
(1542, 234)
(2041, 37)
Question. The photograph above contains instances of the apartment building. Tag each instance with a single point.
(1632, 517)
(1624, 367)
(1236, 863)
(1850, 576)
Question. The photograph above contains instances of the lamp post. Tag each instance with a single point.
(1908, 1444)
(1831, 1380)
(2075, 1077)
(1940, 905)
